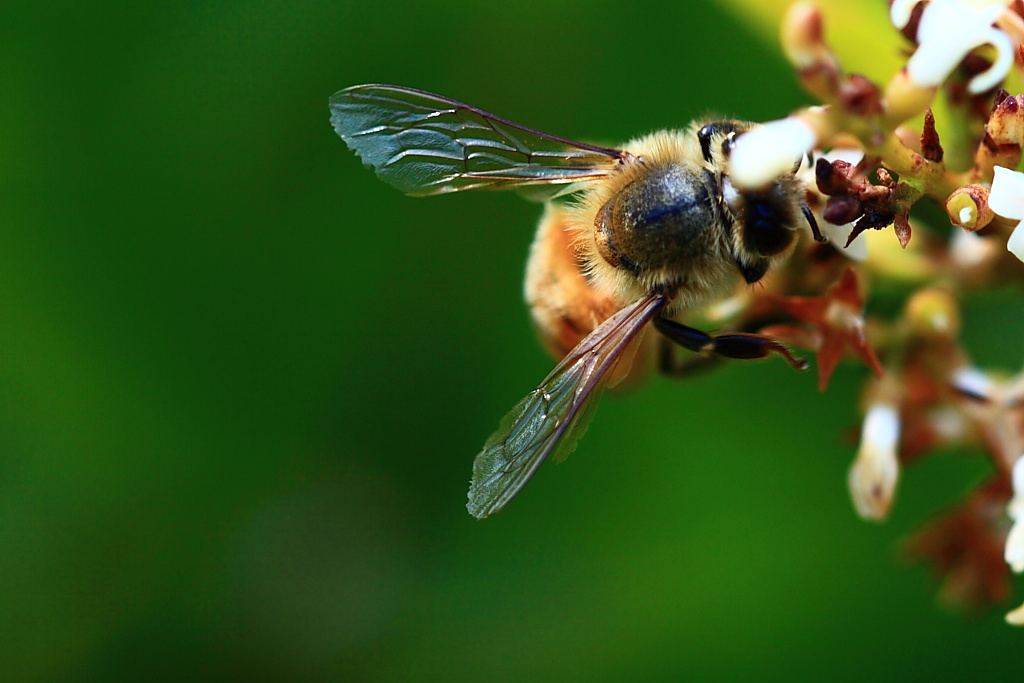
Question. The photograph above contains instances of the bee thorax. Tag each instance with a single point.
(659, 220)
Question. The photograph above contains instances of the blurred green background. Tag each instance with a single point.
(242, 381)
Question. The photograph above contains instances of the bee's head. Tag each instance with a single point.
(766, 214)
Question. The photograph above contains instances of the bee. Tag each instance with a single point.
(651, 230)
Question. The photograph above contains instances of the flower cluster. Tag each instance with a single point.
(878, 156)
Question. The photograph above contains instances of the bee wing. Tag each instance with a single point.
(554, 416)
(427, 144)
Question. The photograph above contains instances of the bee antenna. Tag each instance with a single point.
(812, 221)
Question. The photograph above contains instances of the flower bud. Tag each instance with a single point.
(802, 38)
(1006, 124)
(932, 313)
(873, 476)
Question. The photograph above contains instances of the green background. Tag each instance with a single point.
(242, 381)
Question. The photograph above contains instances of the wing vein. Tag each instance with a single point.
(427, 144)
(551, 419)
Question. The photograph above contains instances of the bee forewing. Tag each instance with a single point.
(427, 144)
(553, 417)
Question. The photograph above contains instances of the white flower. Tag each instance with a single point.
(1017, 504)
(900, 11)
(1015, 540)
(873, 475)
(1015, 547)
(969, 249)
(971, 381)
(995, 410)
(1006, 198)
(764, 153)
(1016, 617)
(947, 32)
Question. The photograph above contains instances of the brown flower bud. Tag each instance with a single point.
(1004, 135)
(859, 96)
(842, 209)
(833, 177)
(803, 40)
(1006, 125)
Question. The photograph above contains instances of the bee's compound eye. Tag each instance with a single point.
(766, 231)
(706, 134)
(728, 143)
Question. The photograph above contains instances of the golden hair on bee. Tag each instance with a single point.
(707, 269)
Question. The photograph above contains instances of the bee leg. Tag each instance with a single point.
(732, 345)
(670, 364)
(815, 230)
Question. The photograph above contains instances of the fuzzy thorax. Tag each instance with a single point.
(669, 220)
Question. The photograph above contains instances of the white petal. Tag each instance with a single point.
(900, 11)
(1007, 194)
(882, 426)
(947, 32)
(1016, 617)
(763, 154)
(1016, 242)
(934, 61)
(1015, 509)
(973, 382)
(994, 75)
(873, 476)
(969, 249)
(1015, 547)
(837, 236)
(942, 17)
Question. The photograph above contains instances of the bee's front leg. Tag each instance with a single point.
(671, 364)
(731, 345)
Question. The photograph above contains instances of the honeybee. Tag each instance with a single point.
(651, 230)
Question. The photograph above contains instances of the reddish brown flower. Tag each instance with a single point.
(838, 318)
(965, 549)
